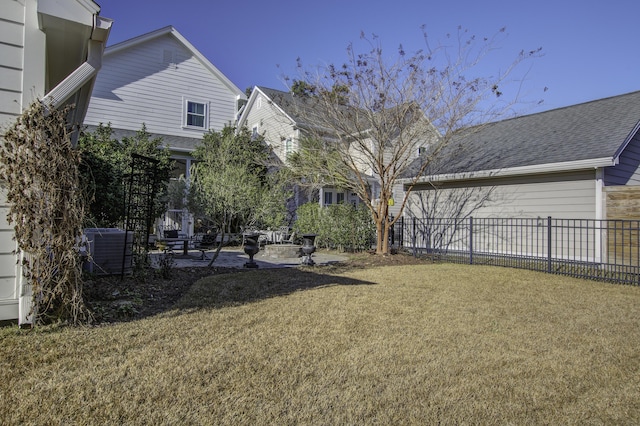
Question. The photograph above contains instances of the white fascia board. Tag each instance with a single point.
(80, 11)
(247, 107)
(252, 100)
(593, 163)
(627, 140)
(137, 40)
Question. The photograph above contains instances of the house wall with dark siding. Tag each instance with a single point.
(627, 171)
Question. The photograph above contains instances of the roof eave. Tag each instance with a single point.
(593, 163)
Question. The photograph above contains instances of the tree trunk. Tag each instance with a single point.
(218, 249)
(385, 237)
(382, 235)
(378, 233)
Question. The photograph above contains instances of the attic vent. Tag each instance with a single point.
(169, 58)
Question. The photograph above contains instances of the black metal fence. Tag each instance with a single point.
(604, 250)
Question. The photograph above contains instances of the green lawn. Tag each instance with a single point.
(415, 344)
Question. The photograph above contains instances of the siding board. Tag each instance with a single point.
(13, 11)
(8, 292)
(11, 33)
(561, 196)
(10, 79)
(11, 56)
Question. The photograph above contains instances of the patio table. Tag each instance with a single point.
(185, 240)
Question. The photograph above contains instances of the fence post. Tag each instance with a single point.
(471, 240)
(549, 244)
(413, 237)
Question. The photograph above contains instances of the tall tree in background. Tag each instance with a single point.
(231, 185)
(365, 120)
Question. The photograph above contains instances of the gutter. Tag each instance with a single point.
(595, 163)
(85, 72)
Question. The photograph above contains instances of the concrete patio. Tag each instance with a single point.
(235, 257)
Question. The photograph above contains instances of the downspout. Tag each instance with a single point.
(56, 98)
(599, 213)
(85, 72)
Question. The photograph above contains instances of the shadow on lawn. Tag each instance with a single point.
(113, 300)
(236, 289)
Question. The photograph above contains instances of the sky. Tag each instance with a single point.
(590, 48)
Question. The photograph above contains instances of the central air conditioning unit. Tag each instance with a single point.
(106, 250)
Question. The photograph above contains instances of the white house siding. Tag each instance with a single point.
(11, 59)
(18, 25)
(531, 199)
(8, 265)
(137, 85)
(566, 195)
(627, 171)
(273, 124)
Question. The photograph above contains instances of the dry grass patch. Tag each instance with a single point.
(414, 344)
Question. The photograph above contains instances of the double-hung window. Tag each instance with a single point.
(196, 114)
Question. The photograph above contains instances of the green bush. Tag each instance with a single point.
(340, 226)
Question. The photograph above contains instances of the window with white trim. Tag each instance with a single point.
(328, 198)
(196, 114)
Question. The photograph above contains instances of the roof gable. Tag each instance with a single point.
(170, 30)
(305, 112)
(277, 99)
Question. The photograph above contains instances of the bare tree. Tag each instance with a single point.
(367, 120)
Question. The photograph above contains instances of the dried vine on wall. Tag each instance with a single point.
(39, 167)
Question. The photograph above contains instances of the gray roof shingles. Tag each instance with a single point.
(591, 130)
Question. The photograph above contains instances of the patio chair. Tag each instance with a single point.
(284, 234)
(172, 233)
(204, 243)
(291, 239)
(262, 240)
